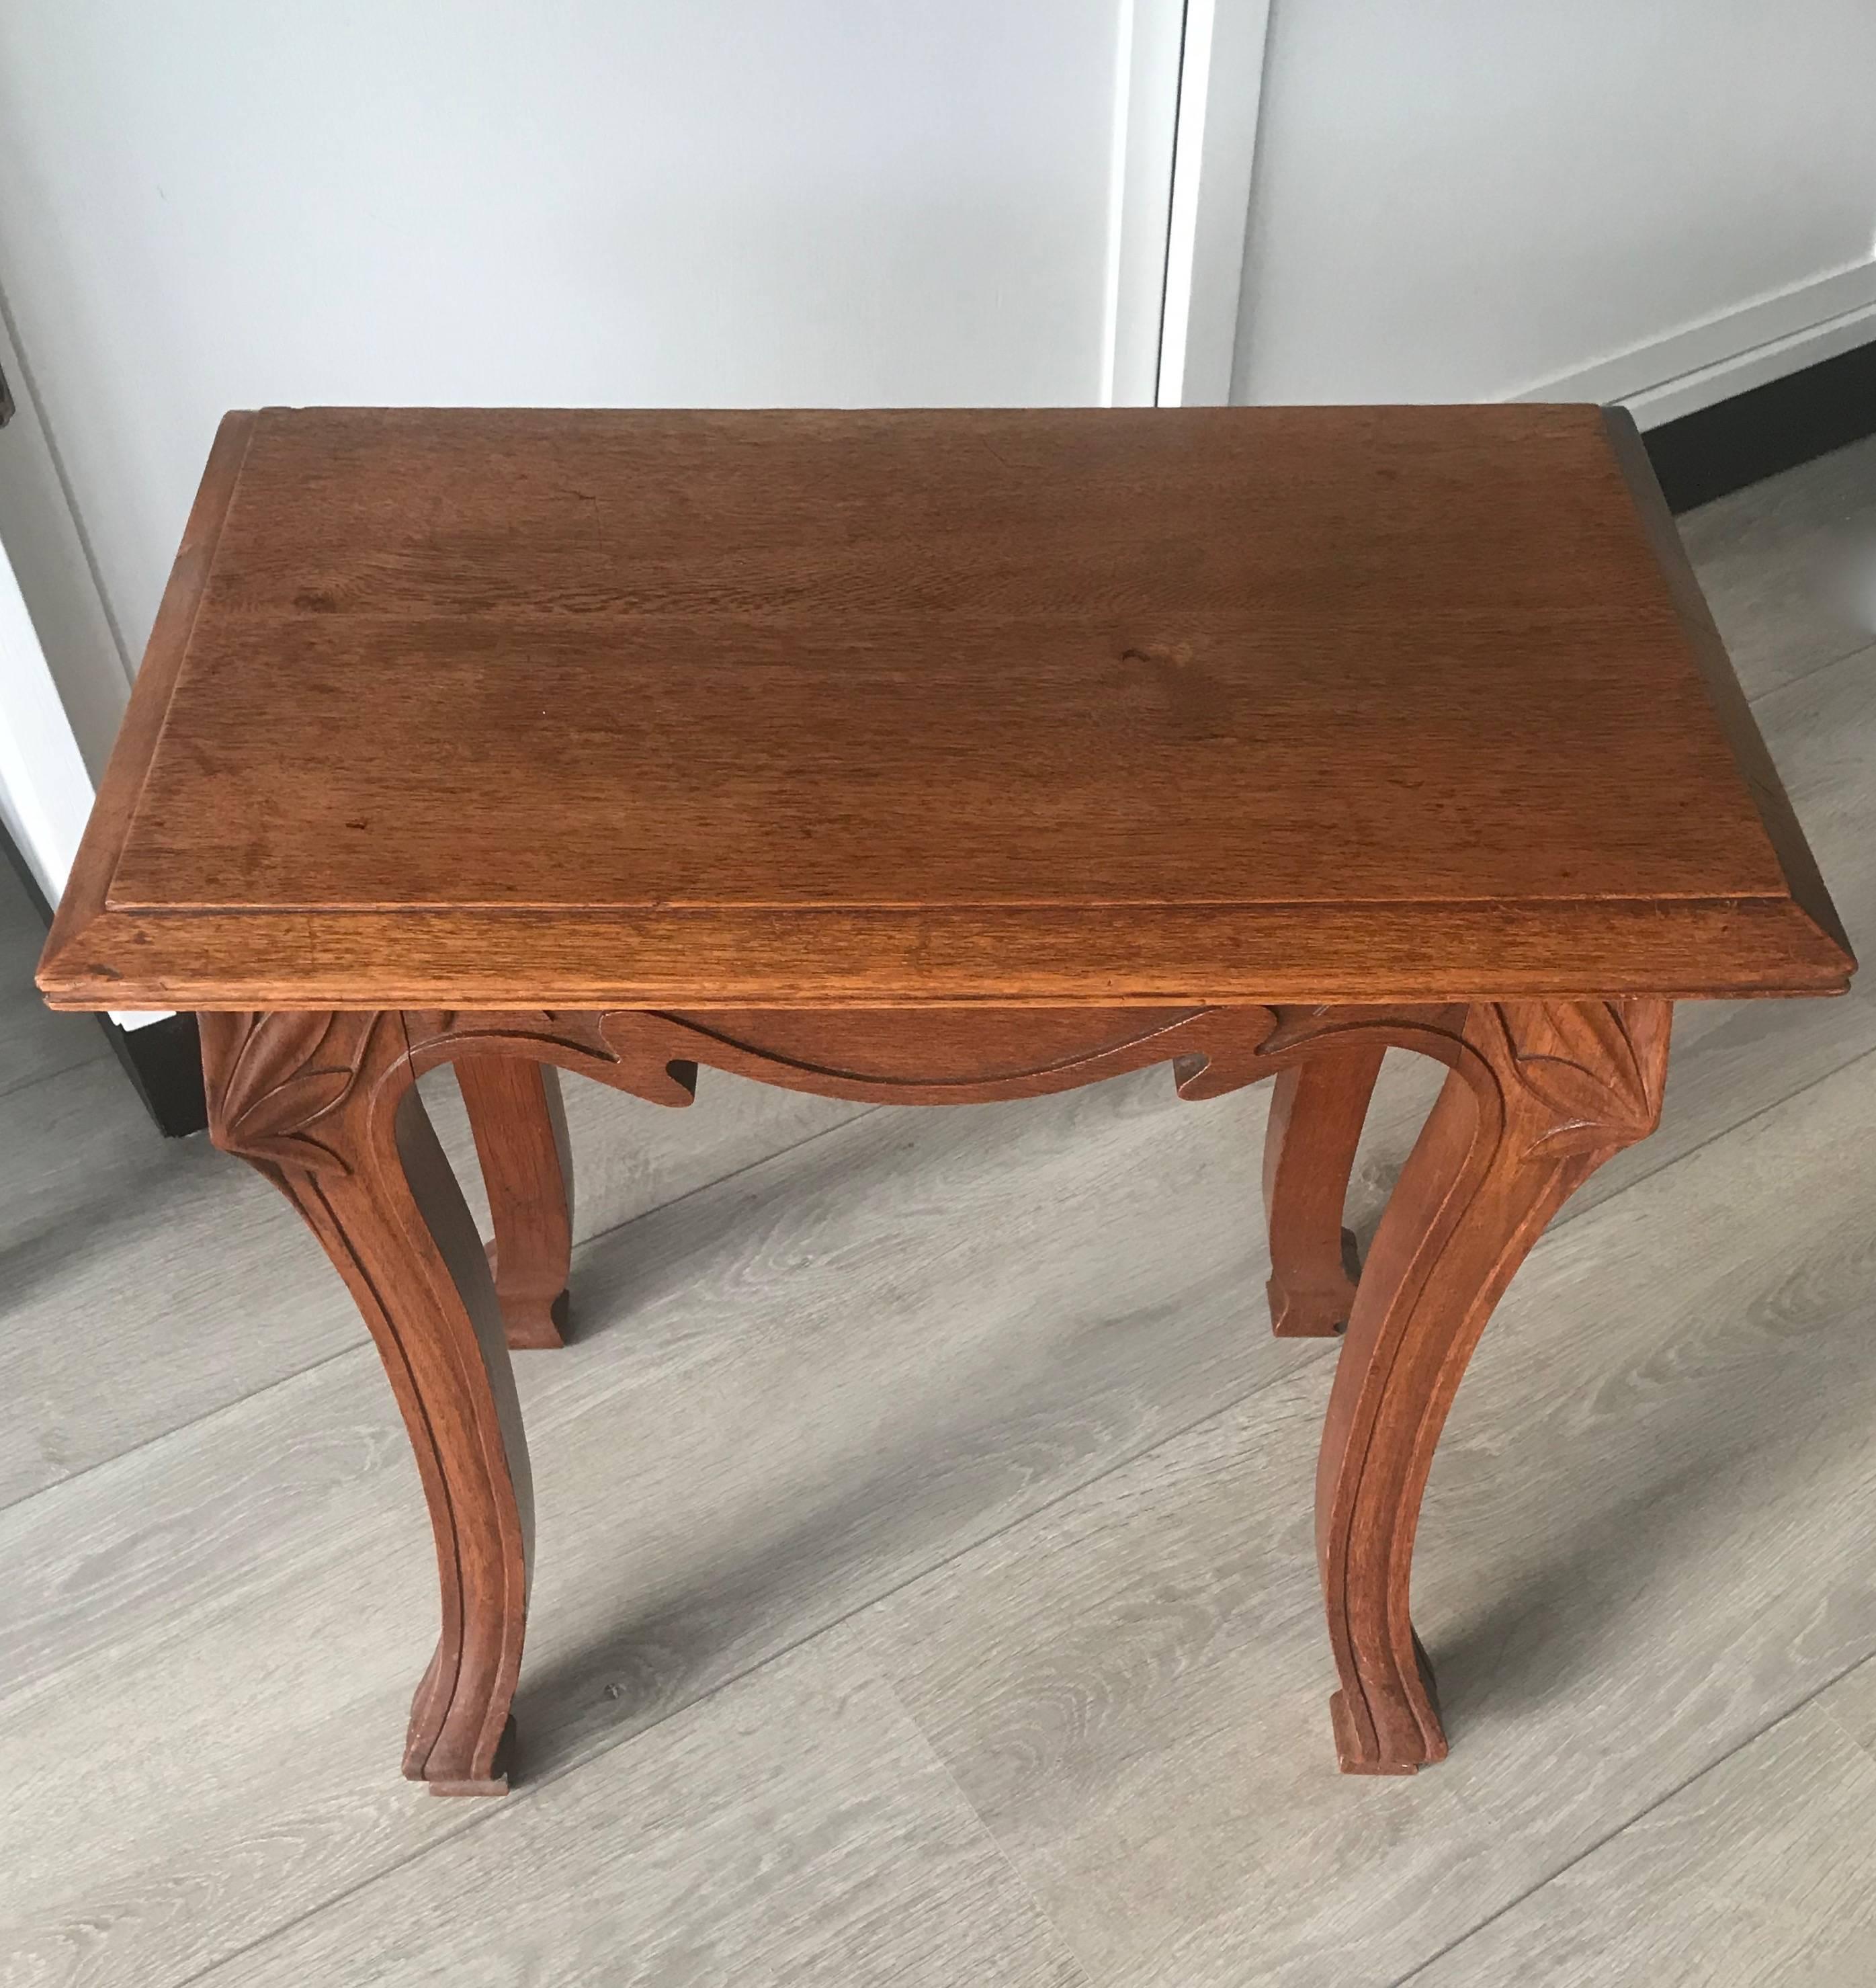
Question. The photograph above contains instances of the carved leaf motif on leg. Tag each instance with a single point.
(272, 1080)
(1593, 1071)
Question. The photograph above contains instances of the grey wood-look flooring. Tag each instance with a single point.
(926, 1591)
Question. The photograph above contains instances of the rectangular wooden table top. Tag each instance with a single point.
(485, 708)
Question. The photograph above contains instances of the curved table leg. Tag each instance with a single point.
(520, 1128)
(1541, 1095)
(324, 1106)
(1317, 1110)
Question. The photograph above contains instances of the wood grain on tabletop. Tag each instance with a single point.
(459, 707)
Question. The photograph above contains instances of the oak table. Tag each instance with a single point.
(934, 757)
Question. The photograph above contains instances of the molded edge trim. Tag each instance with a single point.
(1152, 956)
(1730, 707)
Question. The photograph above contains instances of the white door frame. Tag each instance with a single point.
(1221, 86)
(1146, 112)
(45, 791)
(45, 794)
(1188, 76)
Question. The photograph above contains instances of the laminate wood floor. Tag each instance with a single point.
(926, 1591)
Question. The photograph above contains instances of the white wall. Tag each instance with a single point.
(207, 204)
(1476, 199)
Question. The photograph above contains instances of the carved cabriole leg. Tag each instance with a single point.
(1540, 1095)
(520, 1128)
(325, 1106)
(1317, 1110)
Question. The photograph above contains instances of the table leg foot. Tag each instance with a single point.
(494, 1782)
(1318, 1309)
(532, 1324)
(1353, 1738)
(1350, 1741)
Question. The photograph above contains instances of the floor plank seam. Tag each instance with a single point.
(1866, 647)
(1850, 1739)
(990, 1836)
(735, 1173)
(251, 1946)
(202, 1421)
(1699, 1773)
(102, 1054)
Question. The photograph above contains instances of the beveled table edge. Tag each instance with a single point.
(1684, 949)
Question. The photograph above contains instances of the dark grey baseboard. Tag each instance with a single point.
(1755, 434)
(163, 1059)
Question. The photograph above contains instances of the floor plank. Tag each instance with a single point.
(1788, 566)
(143, 1282)
(1821, 729)
(1762, 1870)
(794, 1828)
(1647, 1537)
